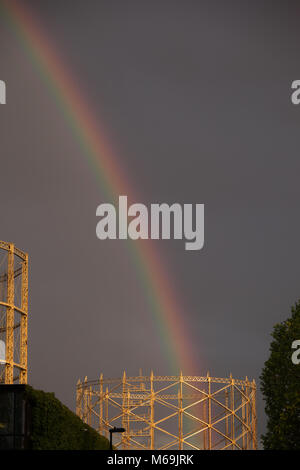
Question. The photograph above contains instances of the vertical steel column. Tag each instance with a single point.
(9, 367)
(106, 412)
(128, 418)
(78, 399)
(244, 429)
(205, 420)
(180, 421)
(232, 412)
(247, 413)
(152, 397)
(209, 412)
(85, 407)
(101, 403)
(90, 405)
(254, 441)
(24, 321)
(124, 412)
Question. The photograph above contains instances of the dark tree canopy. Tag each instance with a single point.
(280, 381)
(55, 427)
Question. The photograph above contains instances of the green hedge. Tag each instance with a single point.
(55, 427)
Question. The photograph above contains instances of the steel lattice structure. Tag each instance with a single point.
(13, 314)
(178, 412)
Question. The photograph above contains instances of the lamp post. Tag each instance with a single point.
(114, 429)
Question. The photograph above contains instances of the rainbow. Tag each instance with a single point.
(86, 129)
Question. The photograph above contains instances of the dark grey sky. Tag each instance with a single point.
(195, 96)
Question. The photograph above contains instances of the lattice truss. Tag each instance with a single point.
(13, 314)
(171, 412)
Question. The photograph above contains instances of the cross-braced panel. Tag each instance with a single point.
(182, 412)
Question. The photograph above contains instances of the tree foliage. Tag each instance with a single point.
(55, 427)
(280, 381)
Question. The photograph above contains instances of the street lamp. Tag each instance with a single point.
(114, 429)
